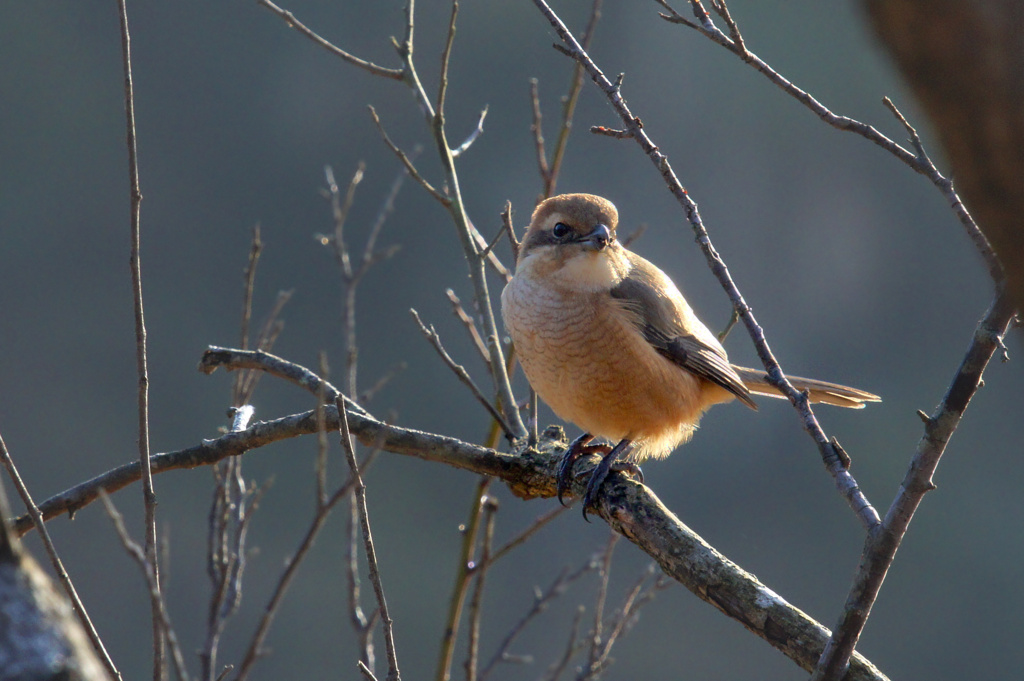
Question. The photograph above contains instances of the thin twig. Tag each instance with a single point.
(231, 511)
(611, 132)
(277, 366)
(534, 527)
(367, 395)
(289, 18)
(595, 658)
(473, 136)
(733, 318)
(469, 323)
(58, 565)
(146, 565)
(255, 648)
(442, 80)
(361, 624)
(493, 242)
(365, 671)
(475, 605)
(238, 396)
(625, 617)
(463, 573)
(371, 554)
(462, 374)
(269, 331)
(148, 492)
(556, 669)
(506, 219)
(407, 162)
(541, 601)
(537, 128)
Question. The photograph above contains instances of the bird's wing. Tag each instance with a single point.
(649, 297)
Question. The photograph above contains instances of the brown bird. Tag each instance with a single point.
(609, 342)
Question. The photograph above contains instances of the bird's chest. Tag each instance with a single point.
(571, 346)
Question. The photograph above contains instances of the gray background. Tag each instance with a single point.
(855, 267)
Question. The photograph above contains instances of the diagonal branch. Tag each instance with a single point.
(289, 18)
(882, 543)
(919, 161)
(461, 373)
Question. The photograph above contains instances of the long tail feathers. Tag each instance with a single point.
(819, 391)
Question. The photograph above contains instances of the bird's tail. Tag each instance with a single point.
(756, 381)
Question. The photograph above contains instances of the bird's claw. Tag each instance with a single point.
(578, 448)
(609, 462)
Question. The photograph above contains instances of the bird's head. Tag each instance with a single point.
(571, 244)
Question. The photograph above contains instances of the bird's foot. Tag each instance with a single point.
(609, 463)
(579, 447)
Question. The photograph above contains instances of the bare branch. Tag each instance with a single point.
(340, 209)
(441, 198)
(468, 142)
(611, 132)
(463, 573)
(541, 601)
(289, 18)
(479, 569)
(139, 555)
(255, 648)
(506, 219)
(238, 396)
(462, 375)
(365, 671)
(148, 492)
(537, 128)
(881, 544)
(919, 162)
(470, 325)
(537, 524)
(629, 507)
(371, 554)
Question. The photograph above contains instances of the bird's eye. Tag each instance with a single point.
(561, 230)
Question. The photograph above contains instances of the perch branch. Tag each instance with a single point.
(630, 508)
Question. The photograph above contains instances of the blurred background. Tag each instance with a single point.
(855, 267)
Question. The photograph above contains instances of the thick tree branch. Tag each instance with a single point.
(630, 508)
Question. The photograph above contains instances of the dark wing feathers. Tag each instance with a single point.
(656, 316)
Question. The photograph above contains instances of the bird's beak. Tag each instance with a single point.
(598, 238)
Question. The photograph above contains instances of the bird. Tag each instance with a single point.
(610, 343)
